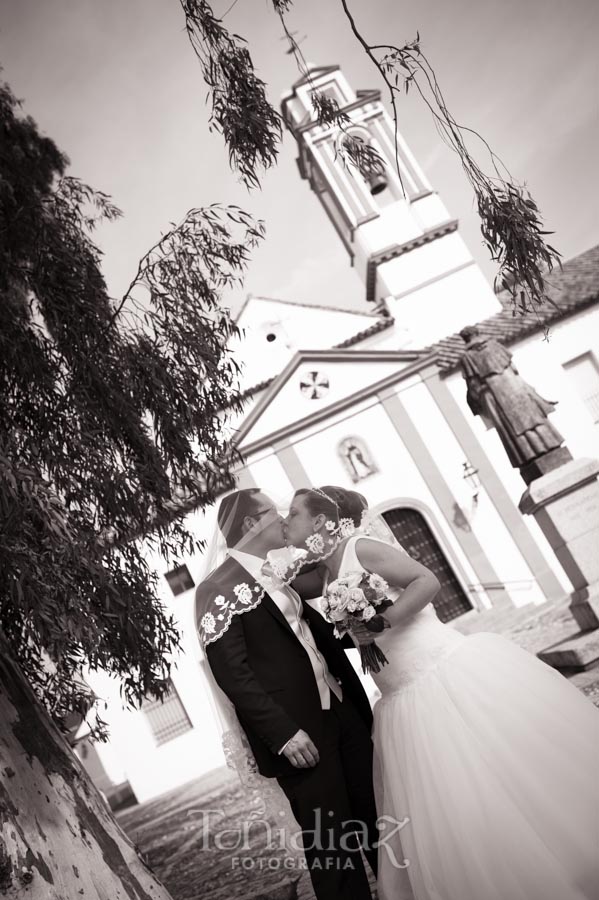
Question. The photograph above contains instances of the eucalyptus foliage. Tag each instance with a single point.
(511, 222)
(111, 421)
(240, 110)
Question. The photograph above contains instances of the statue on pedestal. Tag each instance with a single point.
(497, 392)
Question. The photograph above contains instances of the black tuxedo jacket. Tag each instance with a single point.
(266, 673)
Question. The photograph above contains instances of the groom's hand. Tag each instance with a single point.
(301, 751)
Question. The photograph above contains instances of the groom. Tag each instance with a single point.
(299, 701)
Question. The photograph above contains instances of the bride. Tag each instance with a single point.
(485, 757)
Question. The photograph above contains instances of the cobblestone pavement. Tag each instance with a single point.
(169, 831)
(535, 628)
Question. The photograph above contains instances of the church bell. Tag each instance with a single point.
(377, 182)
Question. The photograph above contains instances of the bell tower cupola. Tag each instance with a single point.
(399, 236)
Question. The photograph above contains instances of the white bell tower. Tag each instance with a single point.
(406, 248)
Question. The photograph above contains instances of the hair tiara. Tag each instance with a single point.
(326, 496)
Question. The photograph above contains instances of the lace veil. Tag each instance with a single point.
(221, 596)
(242, 517)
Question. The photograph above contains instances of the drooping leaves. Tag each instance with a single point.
(510, 219)
(240, 110)
(111, 420)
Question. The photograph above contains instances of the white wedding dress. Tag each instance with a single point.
(492, 756)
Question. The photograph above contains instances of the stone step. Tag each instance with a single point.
(578, 652)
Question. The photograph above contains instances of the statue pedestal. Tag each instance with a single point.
(553, 459)
(565, 503)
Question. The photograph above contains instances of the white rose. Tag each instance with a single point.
(336, 615)
(333, 591)
(368, 613)
(343, 598)
(377, 583)
(336, 588)
(354, 579)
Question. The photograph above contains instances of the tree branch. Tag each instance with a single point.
(510, 219)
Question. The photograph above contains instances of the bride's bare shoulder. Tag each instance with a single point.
(370, 550)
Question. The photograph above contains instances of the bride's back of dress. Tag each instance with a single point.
(413, 647)
(487, 758)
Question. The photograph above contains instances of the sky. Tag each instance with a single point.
(116, 84)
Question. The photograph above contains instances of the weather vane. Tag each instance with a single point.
(293, 44)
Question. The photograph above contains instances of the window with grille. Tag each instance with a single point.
(167, 718)
(179, 580)
(584, 376)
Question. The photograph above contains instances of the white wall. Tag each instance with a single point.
(132, 753)
(295, 327)
(410, 270)
(443, 307)
(398, 475)
(540, 362)
(345, 378)
(498, 544)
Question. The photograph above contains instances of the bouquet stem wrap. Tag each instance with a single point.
(372, 658)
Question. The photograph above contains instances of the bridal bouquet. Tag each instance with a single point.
(359, 598)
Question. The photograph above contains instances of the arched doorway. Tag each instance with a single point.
(414, 534)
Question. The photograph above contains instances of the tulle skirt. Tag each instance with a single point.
(490, 761)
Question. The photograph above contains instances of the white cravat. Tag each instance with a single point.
(289, 603)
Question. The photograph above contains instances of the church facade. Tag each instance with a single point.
(375, 399)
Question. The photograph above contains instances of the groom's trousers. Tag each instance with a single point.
(333, 803)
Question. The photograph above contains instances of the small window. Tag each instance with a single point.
(584, 376)
(179, 580)
(274, 333)
(167, 718)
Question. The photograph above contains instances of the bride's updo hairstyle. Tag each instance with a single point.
(322, 500)
(352, 505)
(335, 502)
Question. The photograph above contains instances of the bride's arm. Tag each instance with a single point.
(400, 571)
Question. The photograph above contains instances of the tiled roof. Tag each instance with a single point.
(365, 313)
(572, 289)
(381, 324)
